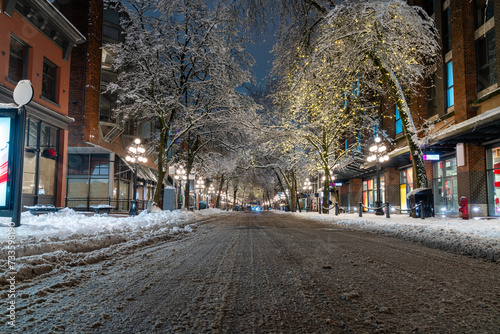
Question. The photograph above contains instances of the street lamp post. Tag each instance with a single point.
(211, 191)
(378, 155)
(135, 153)
(308, 187)
(180, 175)
(200, 185)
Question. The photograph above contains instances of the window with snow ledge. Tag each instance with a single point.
(483, 12)
(486, 65)
(449, 89)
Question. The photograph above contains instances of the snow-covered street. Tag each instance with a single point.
(67, 260)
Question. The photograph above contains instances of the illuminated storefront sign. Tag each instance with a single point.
(432, 157)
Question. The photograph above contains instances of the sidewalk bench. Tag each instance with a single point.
(42, 208)
(102, 209)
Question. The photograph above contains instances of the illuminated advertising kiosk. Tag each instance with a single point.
(12, 130)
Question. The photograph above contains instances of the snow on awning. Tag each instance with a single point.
(8, 106)
(142, 171)
(480, 128)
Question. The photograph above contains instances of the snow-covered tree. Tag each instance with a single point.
(386, 45)
(179, 65)
(328, 123)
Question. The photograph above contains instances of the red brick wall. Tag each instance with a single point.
(356, 192)
(464, 59)
(85, 70)
(392, 193)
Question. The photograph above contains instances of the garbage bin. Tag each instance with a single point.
(422, 194)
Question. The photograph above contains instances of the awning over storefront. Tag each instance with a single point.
(143, 172)
(482, 130)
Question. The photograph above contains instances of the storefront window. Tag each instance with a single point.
(88, 179)
(405, 186)
(40, 159)
(370, 191)
(445, 187)
(493, 172)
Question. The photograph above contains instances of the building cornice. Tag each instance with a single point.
(48, 20)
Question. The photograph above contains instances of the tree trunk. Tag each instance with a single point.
(235, 190)
(408, 125)
(293, 193)
(297, 199)
(221, 185)
(227, 197)
(283, 189)
(161, 170)
(326, 193)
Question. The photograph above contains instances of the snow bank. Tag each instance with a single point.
(474, 237)
(67, 238)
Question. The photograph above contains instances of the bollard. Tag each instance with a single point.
(387, 213)
(336, 209)
(360, 209)
(422, 212)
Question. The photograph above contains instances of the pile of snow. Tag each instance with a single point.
(474, 237)
(68, 238)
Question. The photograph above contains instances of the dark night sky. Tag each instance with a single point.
(261, 52)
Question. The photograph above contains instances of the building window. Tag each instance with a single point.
(432, 101)
(406, 185)
(399, 122)
(483, 11)
(493, 172)
(450, 99)
(49, 80)
(429, 7)
(18, 60)
(446, 19)
(445, 187)
(486, 60)
(88, 179)
(370, 191)
(111, 25)
(40, 159)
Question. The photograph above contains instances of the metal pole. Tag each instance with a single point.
(387, 214)
(18, 174)
(360, 209)
(378, 202)
(133, 208)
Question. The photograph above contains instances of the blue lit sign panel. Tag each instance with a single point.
(432, 157)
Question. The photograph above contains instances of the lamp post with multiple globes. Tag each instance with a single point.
(135, 154)
(200, 185)
(307, 188)
(180, 175)
(378, 155)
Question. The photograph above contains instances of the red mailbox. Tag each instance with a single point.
(464, 207)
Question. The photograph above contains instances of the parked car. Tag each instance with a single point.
(236, 208)
(203, 205)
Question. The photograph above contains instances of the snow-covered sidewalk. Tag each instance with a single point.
(474, 237)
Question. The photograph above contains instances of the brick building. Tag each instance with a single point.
(462, 102)
(36, 41)
(97, 169)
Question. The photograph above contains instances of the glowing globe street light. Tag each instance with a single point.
(378, 155)
(136, 153)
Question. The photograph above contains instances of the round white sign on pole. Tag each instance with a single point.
(23, 93)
